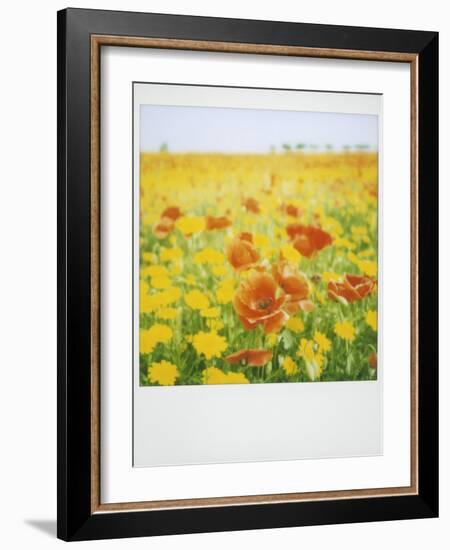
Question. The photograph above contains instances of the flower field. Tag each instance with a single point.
(258, 268)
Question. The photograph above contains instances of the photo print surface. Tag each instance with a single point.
(257, 246)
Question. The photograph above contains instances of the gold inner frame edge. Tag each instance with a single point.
(97, 41)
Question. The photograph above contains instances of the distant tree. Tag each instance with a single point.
(300, 146)
(361, 147)
(163, 148)
(286, 147)
(346, 148)
(328, 147)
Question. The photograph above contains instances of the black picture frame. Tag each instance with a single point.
(76, 521)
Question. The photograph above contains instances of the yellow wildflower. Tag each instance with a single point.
(306, 350)
(163, 373)
(367, 253)
(209, 256)
(368, 267)
(236, 378)
(154, 271)
(295, 324)
(358, 231)
(157, 333)
(148, 257)
(160, 282)
(169, 296)
(322, 341)
(225, 292)
(281, 233)
(219, 270)
(170, 254)
(210, 313)
(345, 330)
(371, 319)
(144, 287)
(290, 253)
(215, 324)
(261, 241)
(344, 243)
(191, 280)
(248, 219)
(176, 269)
(313, 360)
(353, 258)
(328, 276)
(213, 375)
(190, 224)
(320, 297)
(166, 313)
(210, 344)
(147, 302)
(151, 302)
(289, 366)
(332, 226)
(272, 339)
(196, 299)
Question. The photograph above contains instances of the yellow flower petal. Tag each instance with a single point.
(210, 344)
(345, 330)
(163, 373)
(196, 299)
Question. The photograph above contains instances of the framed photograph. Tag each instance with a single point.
(247, 256)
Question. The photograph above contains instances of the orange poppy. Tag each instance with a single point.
(251, 205)
(220, 222)
(256, 303)
(353, 288)
(246, 236)
(373, 360)
(291, 210)
(294, 284)
(172, 212)
(251, 357)
(308, 239)
(293, 307)
(291, 281)
(241, 254)
(163, 227)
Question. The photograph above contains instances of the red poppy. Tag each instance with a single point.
(353, 288)
(308, 239)
(220, 222)
(251, 357)
(241, 254)
(256, 303)
(172, 212)
(163, 227)
(372, 360)
(251, 205)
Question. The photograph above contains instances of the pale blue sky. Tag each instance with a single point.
(229, 130)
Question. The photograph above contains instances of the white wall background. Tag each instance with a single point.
(28, 272)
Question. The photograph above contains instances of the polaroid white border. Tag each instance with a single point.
(249, 423)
